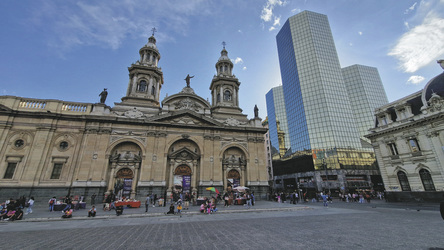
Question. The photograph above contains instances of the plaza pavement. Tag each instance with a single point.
(41, 209)
(268, 225)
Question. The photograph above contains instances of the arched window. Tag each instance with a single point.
(227, 95)
(426, 179)
(142, 86)
(403, 181)
(153, 90)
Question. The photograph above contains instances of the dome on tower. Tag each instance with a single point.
(433, 87)
(151, 43)
(224, 55)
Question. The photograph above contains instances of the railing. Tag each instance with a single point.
(32, 104)
(48, 105)
(75, 107)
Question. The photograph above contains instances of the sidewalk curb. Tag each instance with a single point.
(142, 215)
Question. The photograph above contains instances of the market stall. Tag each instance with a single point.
(133, 204)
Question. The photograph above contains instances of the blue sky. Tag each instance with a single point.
(71, 50)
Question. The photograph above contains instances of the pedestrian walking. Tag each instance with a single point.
(248, 196)
(147, 202)
(51, 203)
(93, 199)
(30, 205)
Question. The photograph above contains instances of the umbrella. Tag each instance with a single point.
(240, 188)
(213, 189)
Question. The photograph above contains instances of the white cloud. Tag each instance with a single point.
(415, 80)
(360, 33)
(411, 8)
(238, 60)
(239, 31)
(271, 28)
(267, 11)
(107, 24)
(351, 44)
(244, 68)
(277, 21)
(297, 10)
(420, 45)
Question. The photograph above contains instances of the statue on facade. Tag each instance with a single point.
(256, 112)
(187, 79)
(103, 96)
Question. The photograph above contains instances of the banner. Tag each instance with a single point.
(186, 183)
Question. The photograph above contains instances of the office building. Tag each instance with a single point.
(321, 119)
(366, 93)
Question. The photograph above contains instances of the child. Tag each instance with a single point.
(214, 208)
(92, 212)
(68, 214)
(202, 208)
(209, 207)
(179, 209)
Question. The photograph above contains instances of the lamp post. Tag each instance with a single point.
(326, 174)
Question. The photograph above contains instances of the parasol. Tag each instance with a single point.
(213, 189)
(240, 188)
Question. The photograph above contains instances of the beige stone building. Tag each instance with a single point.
(141, 145)
(408, 139)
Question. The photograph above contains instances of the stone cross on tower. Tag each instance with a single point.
(224, 43)
(153, 30)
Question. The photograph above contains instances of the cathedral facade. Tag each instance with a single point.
(141, 145)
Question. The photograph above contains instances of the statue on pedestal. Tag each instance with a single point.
(187, 79)
(103, 96)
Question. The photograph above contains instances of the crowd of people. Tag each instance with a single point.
(15, 209)
(326, 197)
(12, 209)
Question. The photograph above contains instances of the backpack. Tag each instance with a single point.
(51, 202)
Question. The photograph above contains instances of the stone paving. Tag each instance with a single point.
(268, 225)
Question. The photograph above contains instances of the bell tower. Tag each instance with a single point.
(145, 77)
(225, 88)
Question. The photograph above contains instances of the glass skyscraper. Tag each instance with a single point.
(319, 113)
(366, 93)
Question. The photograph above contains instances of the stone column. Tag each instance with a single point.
(157, 90)
(134, 184)
(221, 93)
(234, 96)
(133, 89)
(111, 178)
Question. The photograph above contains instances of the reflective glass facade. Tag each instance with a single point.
(319, 113)
(366, 93)
(276, 110)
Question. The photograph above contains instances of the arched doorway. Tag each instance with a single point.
(124, 164)
(233, 178)
(183, 168)
(182, 181)
(234, 165)
(124, 182)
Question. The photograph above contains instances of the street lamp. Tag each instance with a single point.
(326, 174)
